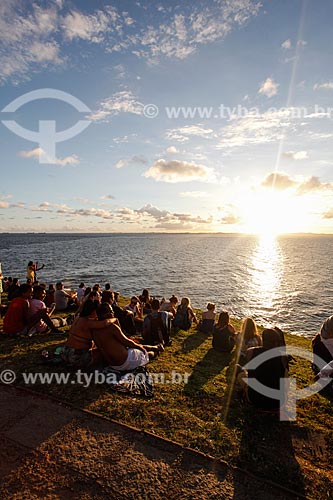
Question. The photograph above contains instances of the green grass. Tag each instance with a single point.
(206, 414)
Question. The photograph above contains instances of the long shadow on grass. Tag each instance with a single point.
(193, 341)
(211, 365)
(266, 449)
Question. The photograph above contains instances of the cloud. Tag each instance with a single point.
(182, 134)
(172, 150)
(278, 181)
(37, 152)
(230, 219)
(328, 214)
(256, 128)
(4, 204)
(296, 155)
(302, 186)
(323, 86)
(107, 197)
(173, 221)
(269, 88)
(286, 44)
(33, 36)
(313, 184)
(135, 160)
(120, 102)
(178, 171)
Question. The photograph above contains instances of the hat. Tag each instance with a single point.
(326, 331)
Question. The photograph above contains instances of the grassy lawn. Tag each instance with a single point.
(206, 413)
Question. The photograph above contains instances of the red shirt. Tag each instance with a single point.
(15, 319)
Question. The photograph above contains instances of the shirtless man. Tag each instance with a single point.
(119, 351)
(79, 349)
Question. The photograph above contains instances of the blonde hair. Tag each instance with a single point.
(185, 302)
(248, 330)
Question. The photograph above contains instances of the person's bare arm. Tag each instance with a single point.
(125, 341)
(96, 324)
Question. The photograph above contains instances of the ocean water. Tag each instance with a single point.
(285, 281)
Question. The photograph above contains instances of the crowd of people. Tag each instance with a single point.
(124, 338)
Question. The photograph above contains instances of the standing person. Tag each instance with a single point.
(32, 270)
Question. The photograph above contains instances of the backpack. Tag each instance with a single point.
(159, 333)
(182, 318)
(223, 340)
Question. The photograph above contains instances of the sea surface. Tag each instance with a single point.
(285, 281)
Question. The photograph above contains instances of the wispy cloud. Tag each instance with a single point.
(134, 160)
(120, 102)
(301, 185)
(323, 86)
(183, 134)
(37, 152)
(286, 44)
(296, 155)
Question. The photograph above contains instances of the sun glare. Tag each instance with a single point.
(271, 213)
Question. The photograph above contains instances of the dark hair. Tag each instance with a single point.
(81, 285)
(270, 338)
(88, 308)
(103, 310)
(155, 304)
(87, 291)
(223, 319)
(37, 290)
(59, 284)
(107, 286)
(107, 295)
(15, 281)
(51, 287)
(24, 288)
(174, 299)
(30, 263)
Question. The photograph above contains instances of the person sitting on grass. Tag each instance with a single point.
(13, 289)
(145, 301)
(18, 319)
(170, 306)
(120, 352)
(39, 309)
(206, 325)
(157, 325)
(247, 337)
(271, 372)
(63, 300)
(135, 308)
(223, 334)
(185, 315)
(322, 346)
(79, 350)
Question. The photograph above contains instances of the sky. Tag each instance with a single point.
(141, 116)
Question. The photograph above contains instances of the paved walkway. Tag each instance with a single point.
(51, 451)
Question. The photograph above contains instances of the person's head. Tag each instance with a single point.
(51, 287)
(145, 293)
(210, 306)
(155, 304)
(326, 331)
(38, 293)
(223, 320)
(95, 296)
(185, 302)
(134, 301)
(81, 285)
(29, 281)
(173, 300)
(116, 295)
(10, 280)
(59, 285)
(87, 291)
(104, 311)
(107, 296)
(43, 285)
(25, 291)
(88, 308)
(248, 329)
(16, 282)
(107, 286)
(30, 263)
(96, 288)
(270, 338)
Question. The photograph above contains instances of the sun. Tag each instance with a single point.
(269, 213)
